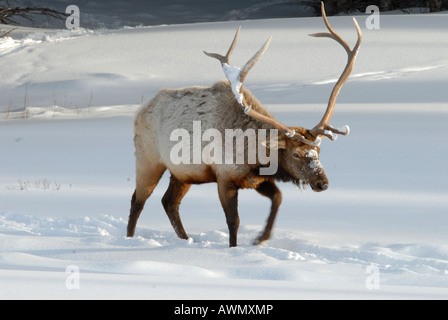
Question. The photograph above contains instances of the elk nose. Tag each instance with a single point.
(321, 186)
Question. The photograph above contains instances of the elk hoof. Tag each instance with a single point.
(262, 238)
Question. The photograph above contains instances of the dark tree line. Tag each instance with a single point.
(333, 7)
(13, 12)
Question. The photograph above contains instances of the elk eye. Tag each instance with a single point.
(296, 155)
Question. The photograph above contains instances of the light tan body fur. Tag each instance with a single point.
(215, 107)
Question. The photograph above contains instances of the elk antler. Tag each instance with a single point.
(236, 78)
(323, 127)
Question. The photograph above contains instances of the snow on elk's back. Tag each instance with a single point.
(67, 173)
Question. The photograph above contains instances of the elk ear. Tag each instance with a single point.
(275, 144)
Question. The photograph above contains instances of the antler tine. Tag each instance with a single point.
(225, 59)
(236, 78)
(245, 70)
(323, 127)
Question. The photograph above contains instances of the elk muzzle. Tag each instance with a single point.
(321, 185)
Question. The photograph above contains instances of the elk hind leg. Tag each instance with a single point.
(228, 195)
(270, 190)
(171, 202)
(147, 179)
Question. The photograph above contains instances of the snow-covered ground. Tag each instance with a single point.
(67, 101)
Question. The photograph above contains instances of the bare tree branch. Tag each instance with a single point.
(9, 14)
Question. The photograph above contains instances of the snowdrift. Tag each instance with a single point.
(67, 101)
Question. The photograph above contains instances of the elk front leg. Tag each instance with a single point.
(171, 201)
(270, 190)
(228, 195)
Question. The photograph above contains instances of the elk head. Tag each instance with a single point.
(299, 147)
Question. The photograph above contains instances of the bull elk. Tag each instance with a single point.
(221, 107)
